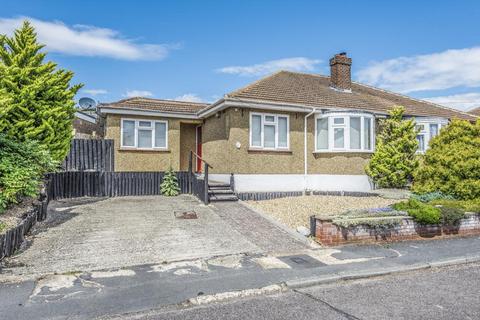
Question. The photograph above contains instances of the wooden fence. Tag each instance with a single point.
(111, 184)
(90, 155)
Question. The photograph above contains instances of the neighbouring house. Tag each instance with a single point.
(85, 125)
(286, 132)
(475, 112)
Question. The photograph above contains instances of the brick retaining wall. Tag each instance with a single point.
(330, 234)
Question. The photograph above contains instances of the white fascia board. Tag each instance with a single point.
(85, 117)
(139, 112)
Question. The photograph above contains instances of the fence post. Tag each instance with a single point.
(232, 182)
(206, 184)
(190, 171)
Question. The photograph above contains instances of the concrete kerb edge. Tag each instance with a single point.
(310, 282)
(310, 243)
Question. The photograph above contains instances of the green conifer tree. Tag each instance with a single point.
(394, 160)
(36, 99)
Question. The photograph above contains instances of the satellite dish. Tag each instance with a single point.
(86, 103)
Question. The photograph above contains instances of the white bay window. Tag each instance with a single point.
(143, 134)
(344, 132)
(269, 131)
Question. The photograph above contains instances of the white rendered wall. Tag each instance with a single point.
(295, 182)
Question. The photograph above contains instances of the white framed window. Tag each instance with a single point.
(269, 131)
(344, 132)
(144, 134)
(428, 128)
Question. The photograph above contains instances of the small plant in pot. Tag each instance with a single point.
(169, 186)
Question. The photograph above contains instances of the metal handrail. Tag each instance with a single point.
(198, 157)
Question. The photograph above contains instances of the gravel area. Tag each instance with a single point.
(296, 211)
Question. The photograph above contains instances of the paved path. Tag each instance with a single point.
(262, 232)
(91, 234)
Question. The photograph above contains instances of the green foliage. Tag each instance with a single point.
(22, 166)
(452, 163)
(465, 205)
(380, 219)
(394, 160)
(36, 99)
(431, 196)
(451, 216)
(2, 226)
(169, 186)
(420, 212)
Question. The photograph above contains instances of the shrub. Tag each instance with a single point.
(394, 160)
(452, 163)
(420, 212)
(36, 98)
(451, 216)
(169, 186)
(465, 205)
(22, 167)
(430, 196)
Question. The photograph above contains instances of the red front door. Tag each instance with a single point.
(199, 148)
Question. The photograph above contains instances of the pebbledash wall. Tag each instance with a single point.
(330, 234)
(181, 138)
(260, 171)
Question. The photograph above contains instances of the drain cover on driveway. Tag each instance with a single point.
(185, 215)
(301, 261)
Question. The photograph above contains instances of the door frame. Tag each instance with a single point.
(198, 148)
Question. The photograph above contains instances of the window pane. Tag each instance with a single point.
(269, 119)
(160, 135)
(269, 136)
(144, 123)
(421, 142)
(256, 131)
(367, 133)
(420, 127)
(144, 138)
(433, 130)
(355, 137)
(338, 120)
(322, 133)
(282, 132)
(338, 138)
(128, 133)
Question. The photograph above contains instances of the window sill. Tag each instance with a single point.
(143, 150)
(277, 151)
(343, 151)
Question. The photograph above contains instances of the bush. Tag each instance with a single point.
(451, 216)
(169, 186)
(465, 205)
(395, 159)
(427, 197)
(452, 163)
(22, 167)
(420, 212)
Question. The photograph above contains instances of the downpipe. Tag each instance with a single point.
(305, 171)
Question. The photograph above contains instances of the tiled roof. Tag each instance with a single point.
(475, 112)
(157, 105)
(315, 91)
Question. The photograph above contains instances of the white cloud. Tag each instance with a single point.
(137, 93)
(189, 97)
(436, 71)
(292, 64)
(465, 101)
(95, 92)
(81, 40)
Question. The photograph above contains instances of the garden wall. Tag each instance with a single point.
(330, 234)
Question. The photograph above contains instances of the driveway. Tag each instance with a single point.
(93, 234)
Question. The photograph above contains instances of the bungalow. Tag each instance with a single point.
(286, 132)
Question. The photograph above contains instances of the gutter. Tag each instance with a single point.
(305, 150)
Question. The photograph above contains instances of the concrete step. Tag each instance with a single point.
(221, 191)
(218, 186)
(223, 197)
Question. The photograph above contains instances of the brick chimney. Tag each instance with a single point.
(340, 72)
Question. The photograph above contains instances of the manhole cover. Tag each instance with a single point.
(185, 215)
(301, 261)
(298, 260)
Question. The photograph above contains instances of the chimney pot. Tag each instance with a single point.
(340, 72)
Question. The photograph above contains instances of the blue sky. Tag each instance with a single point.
(200, 50)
